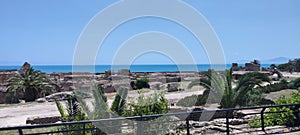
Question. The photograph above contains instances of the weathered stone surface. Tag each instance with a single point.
(109, 73)
(161, 79)
(173, 79)
(5, 75)
(102, 82)
(191, 78)
(41, 100)
(173, 87)
(43, 120)
(252, 67)
(108, 88)
(66, 86)
(58, 96)
(2, 97)
(118, 86)
(238, 121)
(25, 66)
(273, 96)
(3, 89)
(119, 77)
(157, 86)
(125, 72)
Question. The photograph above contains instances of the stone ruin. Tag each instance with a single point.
(110, 80)
(252, 66)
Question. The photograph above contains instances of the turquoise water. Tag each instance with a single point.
(133, 68)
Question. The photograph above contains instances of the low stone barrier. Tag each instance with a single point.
(43, 120)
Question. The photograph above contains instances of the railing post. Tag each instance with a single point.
(187, 126)
(262, 119)
(296, 113)
(84, 128)
(140, 128)
(227, 123)
(20, 131)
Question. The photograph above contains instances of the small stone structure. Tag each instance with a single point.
(25, 66)
(252, 66)
(4, 77)
(43, 120)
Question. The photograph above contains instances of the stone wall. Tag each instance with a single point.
(43, 120)
(4, 77)
(2, 97)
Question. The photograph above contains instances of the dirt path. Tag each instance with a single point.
(15, 115)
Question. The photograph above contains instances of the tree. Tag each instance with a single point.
(220, 87)
(32, 83)
(291, 66)
(256, 62)
(297, 65)
(286, 67)
(273, 66)
(294, 84)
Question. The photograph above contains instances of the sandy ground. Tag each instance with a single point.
(15, 115)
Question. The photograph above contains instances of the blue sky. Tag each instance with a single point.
(45, 32)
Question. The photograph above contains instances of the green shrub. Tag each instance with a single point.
(274, 87)
(285, 67)
(283, 81)
(295, 84)
(150, 105)
(154, 104)
(286, 117)
(141, 83)
(252, 97)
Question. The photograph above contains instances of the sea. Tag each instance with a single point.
(133, 68)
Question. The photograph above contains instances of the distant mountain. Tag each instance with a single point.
(278, 60)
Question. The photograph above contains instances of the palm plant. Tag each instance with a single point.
(72, 112)
(100, 110)
(219, 86)
(31, 82)
(119, 103)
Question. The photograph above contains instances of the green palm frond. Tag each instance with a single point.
(61, 110)
(119, 102)
(99, 106)
(28, 81)
(220, 86)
